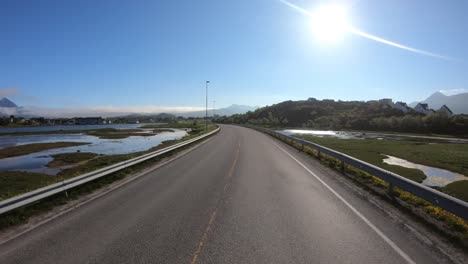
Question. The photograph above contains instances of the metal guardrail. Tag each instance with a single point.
(442, 200)
(36, 195)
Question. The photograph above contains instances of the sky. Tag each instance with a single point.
(158, 54)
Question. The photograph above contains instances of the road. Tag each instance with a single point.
(241, 197)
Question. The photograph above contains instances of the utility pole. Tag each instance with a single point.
(206, 111)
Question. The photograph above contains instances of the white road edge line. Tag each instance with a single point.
(363, 218)
(106, 191)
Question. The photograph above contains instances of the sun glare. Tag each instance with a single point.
(330, 23)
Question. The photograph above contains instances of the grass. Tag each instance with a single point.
(17, 182)
(179, 124)
(35, 147)
(160, 130)
(112, 133)
(63, 159)
(407, 134)
(452, 157)
(457, 189)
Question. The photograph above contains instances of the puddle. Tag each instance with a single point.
(435, 176)
(318, 133)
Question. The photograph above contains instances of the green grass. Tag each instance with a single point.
(178, 124)
(365, 150)
(17, 182)
(35, 147)
(62, 159)
(112, 133)
(457, 189)
(452, 157)
(160, 130)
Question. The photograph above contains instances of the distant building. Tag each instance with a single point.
(386, 103)
(401, 106)
(446, 110)
(88, 120)
(423, 109)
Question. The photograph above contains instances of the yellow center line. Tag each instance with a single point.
(204, 238)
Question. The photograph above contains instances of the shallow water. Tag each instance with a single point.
(36, 162)
(371, 135)
(318, 133)
(69, 127)
(10, 141)
(435, 176)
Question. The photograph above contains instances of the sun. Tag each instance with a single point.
(330, 23)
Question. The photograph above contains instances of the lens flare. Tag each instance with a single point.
(331, 23)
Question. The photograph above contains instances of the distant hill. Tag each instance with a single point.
(458, 103)
(227, 111)
(349, 115)
(157, 116)
(5, 102)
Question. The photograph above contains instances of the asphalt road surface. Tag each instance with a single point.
(242, 197)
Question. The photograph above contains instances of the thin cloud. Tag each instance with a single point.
(373, 37)
(5, 92)
(453, 91)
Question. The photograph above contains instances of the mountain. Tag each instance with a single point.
(227, 111)
(5, 102)
(8, 108)
(457, 103)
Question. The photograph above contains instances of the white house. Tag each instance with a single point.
(446, 110)
(423, 109)
(401, 106)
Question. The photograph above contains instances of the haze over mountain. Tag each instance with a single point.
(8, 107)
(5, 102)
(458, 103)
(227, 111)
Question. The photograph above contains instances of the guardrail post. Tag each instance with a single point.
(318, 154)
(63, 186)
(342, 166)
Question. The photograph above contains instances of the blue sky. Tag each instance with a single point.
(107, 53)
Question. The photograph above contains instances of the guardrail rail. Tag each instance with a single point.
(442, 200)
(36, 195)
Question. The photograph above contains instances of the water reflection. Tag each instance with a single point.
(36, 162)
(435, 176)
(373, 135)
(67, 128)
(318, 133)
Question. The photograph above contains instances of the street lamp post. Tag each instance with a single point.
(206, 111)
